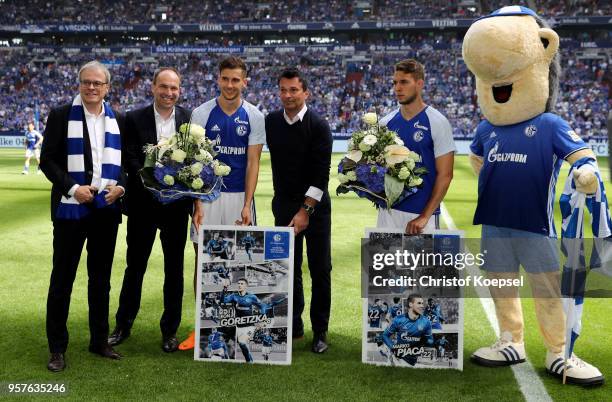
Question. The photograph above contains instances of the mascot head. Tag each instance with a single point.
(513, 54)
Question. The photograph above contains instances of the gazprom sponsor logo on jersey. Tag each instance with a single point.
(501, 157)
(238, 121)
(420, 127)
(531, 130)
(417, 136)
(276, 245)
(224, 149)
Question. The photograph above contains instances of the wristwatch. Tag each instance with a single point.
(309, 210)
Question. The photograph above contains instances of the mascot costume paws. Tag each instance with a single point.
(517, 153)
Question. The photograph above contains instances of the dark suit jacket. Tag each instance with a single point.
(54, 159)
(140, 130)
(300, 155)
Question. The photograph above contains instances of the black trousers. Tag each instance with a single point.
(142, 225)
(100, 231)
(318, 252)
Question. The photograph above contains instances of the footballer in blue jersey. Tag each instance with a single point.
(238, 130)
(267, 342)
(395, 310)
(412, 332)
(442, 345)
(376, 314)
(427, 132)
(223, 275)
(217, 247)
(216, 344)
(246, 316)
(248, 242)
(33, 140)
(433, 312)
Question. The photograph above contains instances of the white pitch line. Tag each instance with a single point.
(528, 380)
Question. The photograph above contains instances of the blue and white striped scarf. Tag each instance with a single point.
(69, 207)
(572, 203)
(597, 204)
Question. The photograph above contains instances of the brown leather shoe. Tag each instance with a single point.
(170, 344)
(105, 351)
(56, 362)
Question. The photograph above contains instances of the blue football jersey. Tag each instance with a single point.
(430, 135)
(409, 332)
(231, 136)
(375, 314)
(31, 138)
(223, 272)
(244, 304)
(216, 246)
(434, 315)
(216, 341)
(267, 340)
(516, 186)
(248, 241)
(395, 310)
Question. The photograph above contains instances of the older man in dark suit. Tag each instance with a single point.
(81, 156)
(145, 214)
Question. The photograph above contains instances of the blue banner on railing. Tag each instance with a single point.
(440, 23)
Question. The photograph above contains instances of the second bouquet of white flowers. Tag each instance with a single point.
(183, 165)
(378, 166)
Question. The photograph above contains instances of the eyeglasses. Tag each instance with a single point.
(95, 84)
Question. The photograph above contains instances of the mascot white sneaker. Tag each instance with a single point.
(517, 152)
(504, 352)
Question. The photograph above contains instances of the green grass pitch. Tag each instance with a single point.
(148, 373)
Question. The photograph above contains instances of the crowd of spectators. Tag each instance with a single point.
(340, 90)
(557, 8)
(213, 11)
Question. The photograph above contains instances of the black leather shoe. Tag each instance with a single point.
(319, 342)
(170, 344)
(56, 362)
(119, 335)
(105, 351)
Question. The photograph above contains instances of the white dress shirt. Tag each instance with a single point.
(313, 192)
(164, 127)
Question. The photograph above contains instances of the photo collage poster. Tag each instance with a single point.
(392, 333)
(244, 294)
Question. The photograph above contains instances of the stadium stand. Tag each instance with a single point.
(350, 73)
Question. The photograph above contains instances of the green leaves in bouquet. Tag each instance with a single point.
(420, 171)
(150, 159)
(393, 189)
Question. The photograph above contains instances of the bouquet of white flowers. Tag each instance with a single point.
(378, 166)
(183, 165)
